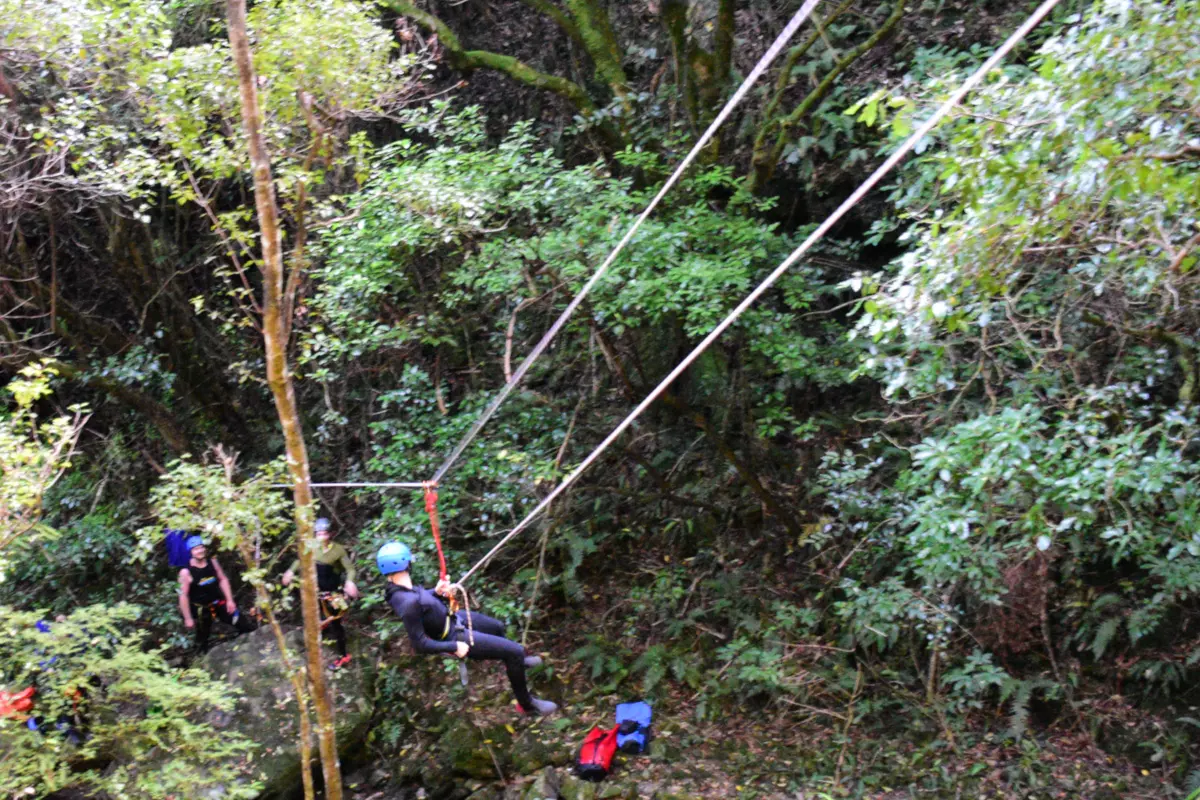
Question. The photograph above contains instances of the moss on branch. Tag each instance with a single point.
(469, 60)
(598, 38)
(766, 154)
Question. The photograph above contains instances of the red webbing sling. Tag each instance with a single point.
(431, 498)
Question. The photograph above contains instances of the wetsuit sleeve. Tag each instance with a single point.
(407, 606)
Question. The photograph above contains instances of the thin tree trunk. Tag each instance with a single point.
(280, 380)
(295, 674)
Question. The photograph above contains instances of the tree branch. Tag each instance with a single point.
(1185, 352)
(469, 60)
(674, 19)
(596, 31)
(158, 414)
(783, 80)
(765, 159)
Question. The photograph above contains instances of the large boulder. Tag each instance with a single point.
(266, 710)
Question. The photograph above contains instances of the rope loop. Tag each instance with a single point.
(458, 590)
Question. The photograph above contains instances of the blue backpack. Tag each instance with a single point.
(633, 727)
(178, 554)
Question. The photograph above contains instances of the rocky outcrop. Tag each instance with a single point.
(266, 708)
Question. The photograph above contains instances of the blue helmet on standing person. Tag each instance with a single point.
(393, 557)
(193, 542)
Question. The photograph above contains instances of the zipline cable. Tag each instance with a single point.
(812, 239)
(759, 68)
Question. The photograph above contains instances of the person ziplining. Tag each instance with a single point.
(434, 627)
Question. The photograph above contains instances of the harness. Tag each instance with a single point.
(331, 602)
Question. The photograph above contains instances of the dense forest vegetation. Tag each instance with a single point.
(925, 522)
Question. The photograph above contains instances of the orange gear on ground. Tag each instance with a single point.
(12, 704)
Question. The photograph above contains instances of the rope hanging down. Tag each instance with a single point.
(457, 590)
(804, 247)
(431, 498)
(759, 68)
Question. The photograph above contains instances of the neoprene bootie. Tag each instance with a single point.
(532, 661)
(540, 707)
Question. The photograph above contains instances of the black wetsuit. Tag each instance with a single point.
(432, 629)
(206, 600)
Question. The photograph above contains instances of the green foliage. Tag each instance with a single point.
(998, 248)
(244, 517)
(33, 456)
(142, 722)
(969, 684)
(327, 58)
(140, 367)
(475, 240)
(1049, 359)
(1098, 487)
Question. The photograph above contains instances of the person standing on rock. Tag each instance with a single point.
(433, 629)
(335, 585)
(204, 593)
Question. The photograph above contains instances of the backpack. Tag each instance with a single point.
(178, 554)
(633, 727)
(595, 757)
(12, 704)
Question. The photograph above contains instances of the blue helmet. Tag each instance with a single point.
(194, 542)
(393, 557)
(322, 524)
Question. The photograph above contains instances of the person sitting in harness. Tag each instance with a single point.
(204, 593)
(335, 583)
(433, 629)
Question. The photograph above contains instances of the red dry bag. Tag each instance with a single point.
(596, 755)
(18, 703)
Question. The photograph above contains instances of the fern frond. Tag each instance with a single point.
(1104, 635)
(1192, 784)
(1018, 719)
